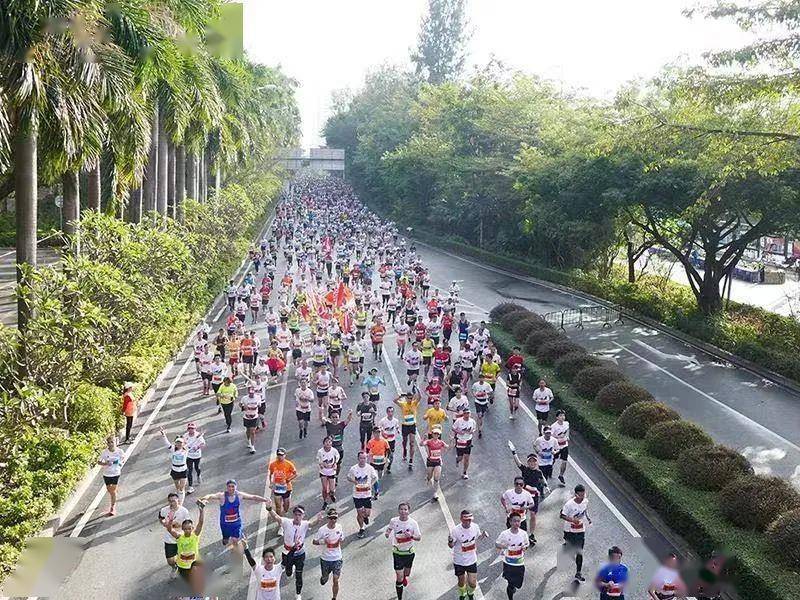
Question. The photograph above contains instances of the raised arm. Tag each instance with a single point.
(253, 497)
(201, 519)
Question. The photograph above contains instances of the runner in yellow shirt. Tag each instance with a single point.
(490, 370)
(435, 415)
(226, 394)
(408, 404)
(188, 558)
(427, 347)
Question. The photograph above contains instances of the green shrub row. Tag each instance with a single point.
(749, 332)
(705, 492)
(116, 314)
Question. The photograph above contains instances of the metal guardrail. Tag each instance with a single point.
(577, 317)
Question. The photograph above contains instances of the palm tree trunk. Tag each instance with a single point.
(151, 169)
(180, 180)
(135, 206)
(70, 210)
(191, 175)
(27, 199)
(94, 187)
(171, 180)
(201, 172)
(163, 171)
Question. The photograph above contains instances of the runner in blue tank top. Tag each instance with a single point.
(230, 516)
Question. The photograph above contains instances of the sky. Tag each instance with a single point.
(588, 44)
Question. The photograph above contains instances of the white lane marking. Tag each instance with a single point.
(583, 475)
(727, 408)
(448, 516)
(681, 357)
(102, 491)
(263, 515)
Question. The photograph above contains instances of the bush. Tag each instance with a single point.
(711, 467)
(570, 364)
(551, 351)
(537, 337)
(667, 440)
(591, 380)
(619, 395)
(784, 532)
(510, 319)
(755, 501)
(502, 309)
(521, 329)
(639, 418)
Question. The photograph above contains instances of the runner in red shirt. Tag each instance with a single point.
(419, 329)
(515, 359)
(447, 326)
(434, 391)
(435, 448)
(376, 332)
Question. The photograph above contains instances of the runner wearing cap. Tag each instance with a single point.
(402, 531)
(463, 540)
(363, 477)
(230, 516)
(195, 442)
(294, 531)
(463, 431)
(435, 448)
(330, 536)
(281, 474)
(178, 459)
(535, 484)
(512, 543)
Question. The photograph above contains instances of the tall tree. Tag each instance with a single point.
(442, 41)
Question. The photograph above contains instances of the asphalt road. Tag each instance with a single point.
(122, 557)
(735, 406)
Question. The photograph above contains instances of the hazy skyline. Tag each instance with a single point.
(586, 44)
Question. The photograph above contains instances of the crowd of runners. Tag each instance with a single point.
(348, 280)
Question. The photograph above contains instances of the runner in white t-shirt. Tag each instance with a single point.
(330, 537)
(295, 531)
(327, 459)
(512, 543)
(575, 517)
(111, 459)
(667, 583)
(303, 397)
(402, 531)
(174, 514)
(542, 397)
(463, 540)
(560, 431)
(267, 574)
(363, 476)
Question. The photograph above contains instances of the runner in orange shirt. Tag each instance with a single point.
(281, 474)
(377, 452)
(376, 332)
(248, 349)
(234, 350)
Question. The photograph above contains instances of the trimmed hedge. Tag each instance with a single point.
(619, 395)
(754, 567)
(591, 380)
(551, 351)
(571, 364)
(540, 336)
(501, 309)
(669, 439)
(711, 467)
(525, 326)
(784, 533)
(754, 501)
(639, 418)
(510, 319)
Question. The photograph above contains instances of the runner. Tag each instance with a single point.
(546, 448)
(294, 534)
(366, 411)
(513, 387)
(542, 397)
(178, 459)
(230, 516)
(363, 477)
(433, 461)
(408, 404)
(334, 428)
(355, 358)
(612, 577)
(402, 330)
(328, 461)
(463, 540)
(435, 416)
(483, 393)
(517, 501)
(377, 451)
(323, 380)
(303, 397)
(560, 431)
(377, 332)
(575, 516)
(667, 582)
(226, 394)
(513, 542)
(251, 405)
(402, 531)
(463, 430)
(389, 426)
(427, 347)
(330, 536)
(267, 574)
(535, 485)
(195, 442)
(489, 372)
(175, 514)
(413, 358)
(188, 545)
(372, 382)
(112, 458)
(282, 473)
